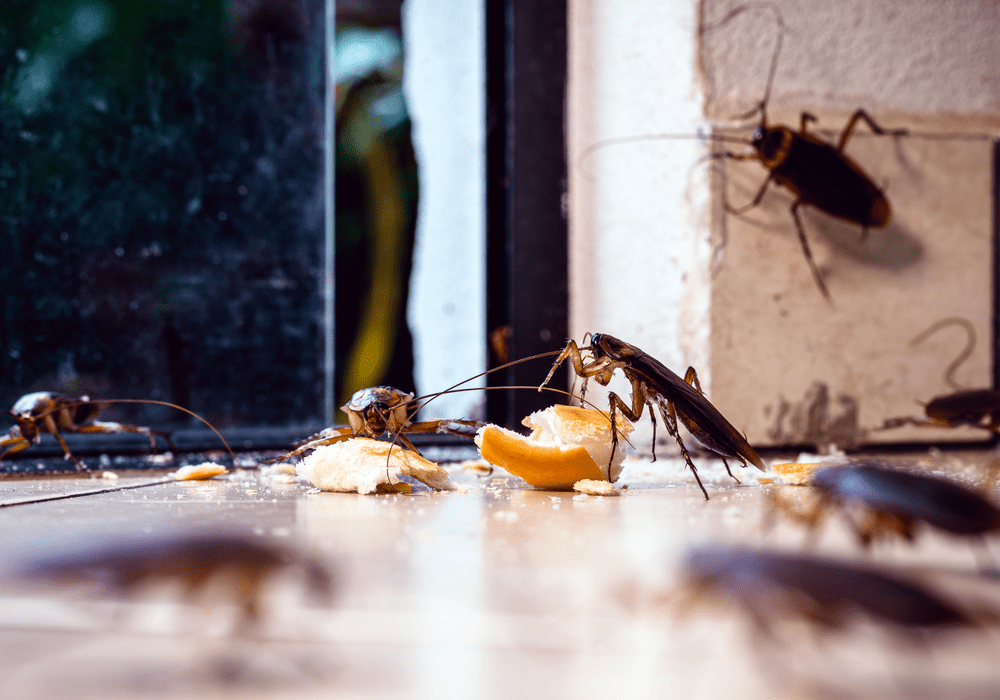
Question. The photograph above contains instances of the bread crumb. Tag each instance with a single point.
(369, 466)
(109, 476)
(283, 473)
(282, 468)
(195, 472)
(596, 488)
(796, 472)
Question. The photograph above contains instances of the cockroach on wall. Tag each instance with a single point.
(817, 173)
(654, 384)
(976, 408)
(895, 502)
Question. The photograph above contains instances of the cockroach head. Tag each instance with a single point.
(596, 344)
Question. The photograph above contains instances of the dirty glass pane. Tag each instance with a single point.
(161, 206)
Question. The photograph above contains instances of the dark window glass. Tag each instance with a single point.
(161, 206)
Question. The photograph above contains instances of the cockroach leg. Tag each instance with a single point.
(807, 251)
(669, 415)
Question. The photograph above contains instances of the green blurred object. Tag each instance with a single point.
(376, 200)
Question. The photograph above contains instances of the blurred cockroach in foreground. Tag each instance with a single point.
(47, 412)
(976, 408)
(893, 502)
(772, 587)
(235, 567)
(653, 384)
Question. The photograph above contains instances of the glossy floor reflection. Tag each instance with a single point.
(492, 590)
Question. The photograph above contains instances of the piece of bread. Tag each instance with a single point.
(360, 464)
(196, 472)
(567, 445)
(798, 473)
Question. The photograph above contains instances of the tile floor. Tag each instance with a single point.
(492, 590)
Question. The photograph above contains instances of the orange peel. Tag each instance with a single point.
(567, 445)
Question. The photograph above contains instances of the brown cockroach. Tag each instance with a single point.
(385, 410)
(817, 173)
(124, 566)
(976, 408)
(829, 593)
(48, 412)
(654, 384)
(895, 502)
(378, 410)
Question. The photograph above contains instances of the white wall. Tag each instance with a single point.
(444, 83)
(639, 229)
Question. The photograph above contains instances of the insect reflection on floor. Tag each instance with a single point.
(817, 173)
(224, 568)
(653, 384)
(893, 503)
(46, 412)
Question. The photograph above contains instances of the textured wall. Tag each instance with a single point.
(648, 228)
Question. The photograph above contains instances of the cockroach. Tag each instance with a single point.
(653, 384)
(895, 502)
(772, 586)
(381, 410)
(817, 173)
(47, 412)
(378, 410)
(976, 408)
(122, 566)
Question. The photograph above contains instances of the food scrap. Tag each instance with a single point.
(593, 487)
(360, 464)
(796, 473)
(195, 472)
(567, 445)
